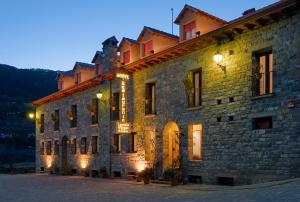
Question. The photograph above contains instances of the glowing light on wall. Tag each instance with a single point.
(49, 161)
(140, 166)
(84, 162)
(31, 115)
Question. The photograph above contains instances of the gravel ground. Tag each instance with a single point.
(44, 188)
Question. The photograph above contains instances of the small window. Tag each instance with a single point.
(147, 48)
(42, 127)
(60, 85)
(263, 73)
(195, 97)
(117, 142)
(262, 123)
(78, 78)
(219, 101)
(231, 99)
(42, 148)
(56, 147)
(132, 142)
(126, 57)
(115, 107)
(95, 111)
(83, 145)
(195, 142)
(94, 144)
(49, 147)
(74, 146)
(56, 120)
(150, 101)
(73, 121)
(189, 30)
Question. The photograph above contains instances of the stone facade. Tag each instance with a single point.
(231, 146)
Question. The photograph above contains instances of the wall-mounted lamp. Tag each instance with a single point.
(31, 115)
(218, 58)
(99, 95)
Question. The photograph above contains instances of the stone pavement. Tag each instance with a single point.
(44, 188)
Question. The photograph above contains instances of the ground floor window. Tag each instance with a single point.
(117, 142)
(83, 145)
(49, 147)
(132, 140)
(56, 147)
(262, 123)
(94, 144)
(195, 142)
(74, 146)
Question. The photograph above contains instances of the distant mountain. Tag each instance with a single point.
(19, 87)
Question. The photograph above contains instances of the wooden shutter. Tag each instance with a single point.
(148, 47)
(126, 57)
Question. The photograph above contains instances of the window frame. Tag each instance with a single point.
(150, 90)
(94, 144)
(42, 123)
(115, 113)
(83, 145)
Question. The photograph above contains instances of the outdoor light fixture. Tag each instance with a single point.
(218, 58)
(99, 95)
(31, 115)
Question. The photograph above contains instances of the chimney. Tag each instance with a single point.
(251, 10)
(110, 55)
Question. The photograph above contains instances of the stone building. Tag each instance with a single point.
(221, 102)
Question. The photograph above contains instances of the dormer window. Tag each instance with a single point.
(126, 57)
(148, 48)
(189, 30)
(78, 78)
(60, 85)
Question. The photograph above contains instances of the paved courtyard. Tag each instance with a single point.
(37, 188)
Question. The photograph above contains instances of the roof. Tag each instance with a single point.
(112, 39)
(84, 65)
(97, 54)
(188, 7)
(69, 73)
(131, 41)
(145, 28)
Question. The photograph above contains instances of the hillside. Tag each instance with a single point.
(19, 87)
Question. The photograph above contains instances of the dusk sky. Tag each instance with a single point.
(54, 34)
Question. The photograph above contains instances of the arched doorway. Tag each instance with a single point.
(64, 155)
(171, 146)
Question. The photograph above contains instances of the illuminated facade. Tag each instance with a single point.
(221, 102)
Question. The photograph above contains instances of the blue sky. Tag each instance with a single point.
(54, 34)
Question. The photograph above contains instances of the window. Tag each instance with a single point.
(95, 107)
(94, 144)
(150, 102)
(195, 98)
(263, 73)
(78, 78)
(74, 146)
(60, 85)
(115, 108)
(189, 30)
(83, 145)
(117, 142)
(126, 57)
(42, 148)
(262, 123)
(195, 142)
(147, 48)
(149, 145)
(56, 120)
(132, 142)
(42, 128)
(49, 148)
(73, 121)
(56, 147)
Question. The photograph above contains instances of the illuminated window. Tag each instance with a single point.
(132, 140)
(42, 148)
(195, 142)
(56, 147)
(263, 73)
(117, 142)
(42, 127)
(147, 48)
(115, 108)
(94, 144)
(83, 145)
(195, 97)
(150, 102)
(56, 120)
(49, 147)
(126, 57)
(189, 30)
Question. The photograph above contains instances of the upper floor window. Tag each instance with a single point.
(150, 99)
(263, 73)
(74, 146)
(194, 88)
(147, 48)
(78, 78)
(42, 128)
(42, 148)
(56, 120)
(60, 85)
(132, 141)
(115, 108)
(73, 118)
(189, 30)
(83, 145)
(94, 144)
(94, 113)
(126, 57)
